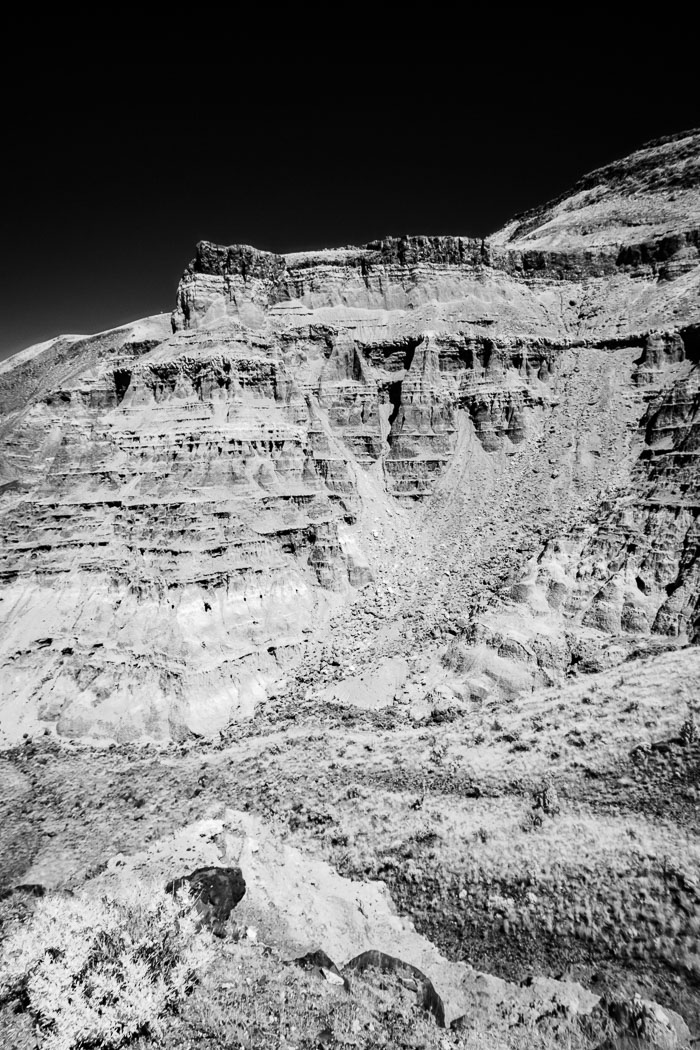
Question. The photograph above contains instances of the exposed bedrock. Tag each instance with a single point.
(630, 572)
(650, 537)
(402, 272)
(181, 525)
(182, 506)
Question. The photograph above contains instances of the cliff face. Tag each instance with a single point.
(641, 562)
(183, 504)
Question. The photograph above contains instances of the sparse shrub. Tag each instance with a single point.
(640, 754)
(533, 819)
(545, 802)
(438, 751)
(545, 798)
(101, 971)
(457, 658)
(442, 715)
(689, 732)
(498, 904)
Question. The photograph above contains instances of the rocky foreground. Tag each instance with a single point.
(359, 555)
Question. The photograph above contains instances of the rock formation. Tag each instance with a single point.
(297, 903)
(185, 502)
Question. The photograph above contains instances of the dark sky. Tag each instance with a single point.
(114, 170)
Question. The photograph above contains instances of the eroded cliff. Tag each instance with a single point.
(500, 432)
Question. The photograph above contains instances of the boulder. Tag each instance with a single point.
(427, 996)
(217, 891)
(323, 966)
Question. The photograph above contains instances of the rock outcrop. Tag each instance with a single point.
(216, 892)
(299, 905)
(184, 501)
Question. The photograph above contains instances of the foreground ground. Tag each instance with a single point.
(439, 802)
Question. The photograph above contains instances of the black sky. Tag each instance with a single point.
(113, 171)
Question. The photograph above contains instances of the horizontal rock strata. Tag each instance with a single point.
(183, 501)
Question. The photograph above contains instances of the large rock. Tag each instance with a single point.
(408, 974)
(216, 892)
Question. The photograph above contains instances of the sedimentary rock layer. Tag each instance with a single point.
(183, 501)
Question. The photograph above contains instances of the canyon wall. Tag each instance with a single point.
(185, 501)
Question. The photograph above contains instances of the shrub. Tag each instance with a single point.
(532, 820)
(101, 971)
(545, 798)
(545, 802)
(689, 732)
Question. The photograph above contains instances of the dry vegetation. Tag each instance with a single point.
(78, 973)
(514, 836)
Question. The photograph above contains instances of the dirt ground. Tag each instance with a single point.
(440, 806)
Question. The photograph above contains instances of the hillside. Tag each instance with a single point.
(356, 554)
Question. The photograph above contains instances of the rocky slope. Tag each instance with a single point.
(500, 432)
